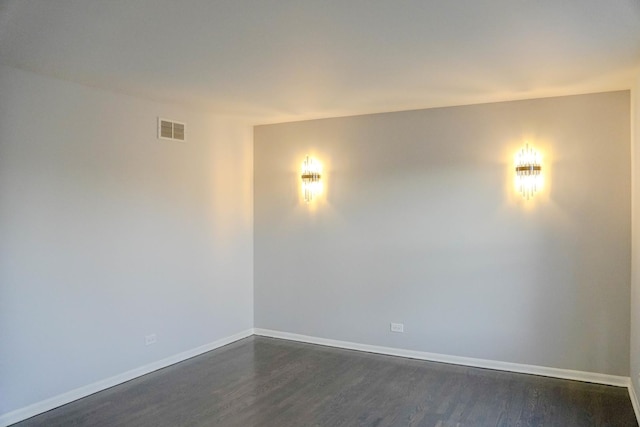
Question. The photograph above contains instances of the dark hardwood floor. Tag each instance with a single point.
(268, 382)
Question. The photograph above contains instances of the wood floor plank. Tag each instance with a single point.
(275, 383)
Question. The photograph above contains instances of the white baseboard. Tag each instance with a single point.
(568, 374)
(634, 401)
(78, 393)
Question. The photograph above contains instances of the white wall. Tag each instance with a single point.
(420, 224)
(108, 234)
(635, 266)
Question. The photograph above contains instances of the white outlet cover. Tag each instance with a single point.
(397, 327)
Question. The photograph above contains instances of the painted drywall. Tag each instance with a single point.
(635, 266)
(420, 223)
(108, 234)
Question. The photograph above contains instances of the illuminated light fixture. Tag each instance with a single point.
(528, 177)
(311, 185)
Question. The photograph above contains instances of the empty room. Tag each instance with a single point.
(319, 213)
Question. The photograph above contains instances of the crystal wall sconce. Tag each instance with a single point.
(311, 184)
(528, 172)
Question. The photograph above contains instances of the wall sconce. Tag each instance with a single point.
(311, 185)
(528, 177)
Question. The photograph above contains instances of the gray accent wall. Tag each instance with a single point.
(108, 234)
(420, 223)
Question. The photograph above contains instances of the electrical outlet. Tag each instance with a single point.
(397, 327)
(150, 339)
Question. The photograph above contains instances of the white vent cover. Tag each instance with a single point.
(172, 130)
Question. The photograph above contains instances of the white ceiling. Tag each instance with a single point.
(280, 60)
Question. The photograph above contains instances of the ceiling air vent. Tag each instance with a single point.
(172, 130)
